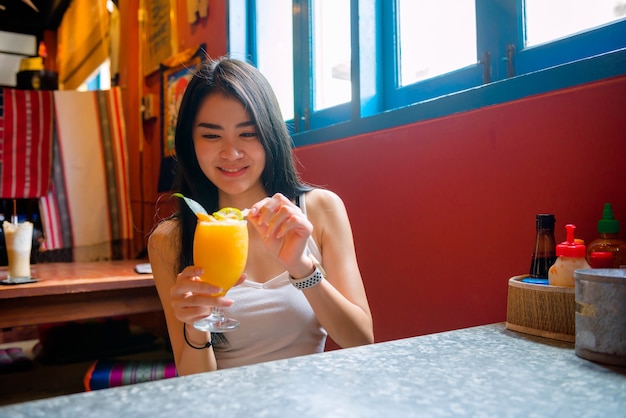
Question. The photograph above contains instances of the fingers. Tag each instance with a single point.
(193, 307)
(274, 217)
(188, 281)
(261, 211)
(265, 209)
(193, 299)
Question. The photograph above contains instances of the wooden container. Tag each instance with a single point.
(546, 311)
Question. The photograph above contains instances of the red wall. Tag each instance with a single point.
(443, 211)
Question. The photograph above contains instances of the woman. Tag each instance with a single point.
(233, 150)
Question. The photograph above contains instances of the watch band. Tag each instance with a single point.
(311, 280)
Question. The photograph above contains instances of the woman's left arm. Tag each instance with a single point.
(340, 301)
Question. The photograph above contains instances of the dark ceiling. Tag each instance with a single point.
(18, 16)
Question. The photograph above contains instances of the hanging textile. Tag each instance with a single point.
(89, 202)
(26, 130)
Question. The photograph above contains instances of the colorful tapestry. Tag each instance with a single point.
(88, 206)
(105, 374)
(26, 131)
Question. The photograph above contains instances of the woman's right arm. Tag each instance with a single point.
(182, 299)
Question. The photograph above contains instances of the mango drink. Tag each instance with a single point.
(220, 247)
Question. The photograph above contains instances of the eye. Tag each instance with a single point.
(210, 136)
(252, 134)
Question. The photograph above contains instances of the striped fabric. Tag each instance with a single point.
(112, 373)
(26, 131)
(88, 206)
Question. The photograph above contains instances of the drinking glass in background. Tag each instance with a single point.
(19, 240)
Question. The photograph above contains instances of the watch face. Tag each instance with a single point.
(35, 82)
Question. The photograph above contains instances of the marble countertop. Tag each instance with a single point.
(481, 371)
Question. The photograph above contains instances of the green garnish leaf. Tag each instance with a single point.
(193, 205)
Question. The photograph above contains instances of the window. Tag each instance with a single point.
(562, 31)
(434, 38)
(550, 20)
(360, 65)
(436, 49)
(321, 45)
(102, 77)
(274, 49)
(84, 41)
(99, 80)
(331, 53)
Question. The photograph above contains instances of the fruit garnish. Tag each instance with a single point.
(221, 215)
(228, 213)
(205, 217)
(193, 205)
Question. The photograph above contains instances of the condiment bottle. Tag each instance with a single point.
(544, 254)
(570, 257)
(608, 238)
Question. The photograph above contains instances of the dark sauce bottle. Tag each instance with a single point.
(544, 254)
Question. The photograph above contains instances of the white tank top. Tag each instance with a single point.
(274, 308)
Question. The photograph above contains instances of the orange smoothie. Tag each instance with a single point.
(220, 247)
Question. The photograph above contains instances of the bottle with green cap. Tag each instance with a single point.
(608, 239)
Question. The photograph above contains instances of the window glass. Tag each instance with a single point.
(99, 79)
(549, 20)
(274, 49)
(331, 53)
(435, 37)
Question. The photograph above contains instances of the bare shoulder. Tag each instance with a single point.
(326, 210)
(163, 252)
(165, 237)
(323, 200)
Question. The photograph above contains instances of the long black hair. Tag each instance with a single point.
(241, 81)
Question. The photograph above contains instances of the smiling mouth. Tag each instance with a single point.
(232, 170)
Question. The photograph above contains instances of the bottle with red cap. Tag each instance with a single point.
(571, 256)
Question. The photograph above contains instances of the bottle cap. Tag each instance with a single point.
(545, 221)
(608, 224)
(569, 247)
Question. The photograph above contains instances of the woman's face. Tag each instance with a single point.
(228, 149)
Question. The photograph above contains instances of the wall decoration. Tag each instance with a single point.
(197, 9)
(160, 33)
(174, 80)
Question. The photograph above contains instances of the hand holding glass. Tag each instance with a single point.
(220, 247)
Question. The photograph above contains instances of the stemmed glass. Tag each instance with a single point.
(220, 247)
